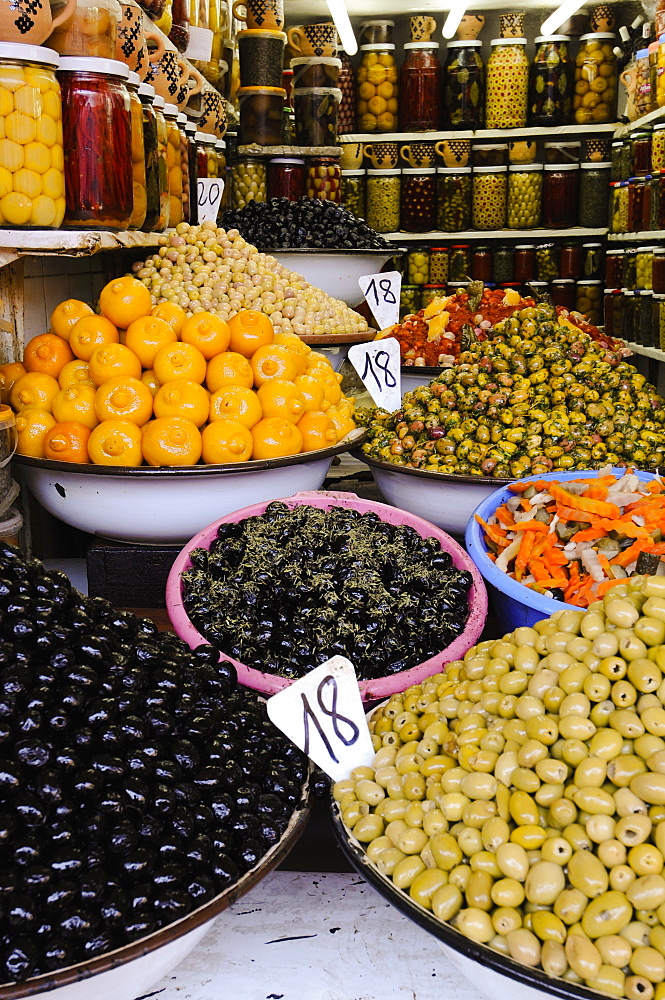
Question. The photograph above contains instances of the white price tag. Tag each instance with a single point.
(199, 48)
(381, 293)
(209, 192)
(323, 715)
(378, 364)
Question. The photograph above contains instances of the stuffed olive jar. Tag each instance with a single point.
(550, 82)
(464, 85)
(506, 97)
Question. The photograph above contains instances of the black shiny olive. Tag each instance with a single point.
(26, 849)
(76, 924)
(201, 888)
(140, 925)
(225, 871)
(60, 896)
(92, 888)
(249, 852)
(137, 864)
(171, 904)
(19, 959)
(98, 944)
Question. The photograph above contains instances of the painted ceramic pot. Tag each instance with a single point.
(454, 152)
(511, 25)
(470, 27)
(382, 155)
(422, 27)
(602, 18)
(419, 154)
(132, 37)
(30, 21)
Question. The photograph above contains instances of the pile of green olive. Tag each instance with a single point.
(521, 795)
(537, 397)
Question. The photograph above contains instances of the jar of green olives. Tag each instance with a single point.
(431, 292)
(383, 200)
(547, 262)
(506, 98)
(409, 300)
(417, 266)
(525, 182)
(453, 199)
(249, 181)
(459, 264)
(644, 267)
(353, 192)
(550, 81)
(619, 206)
(464, 84)
(489, 198)
(589, 299)
(594, 195)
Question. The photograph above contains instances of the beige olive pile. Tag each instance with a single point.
(521, 795)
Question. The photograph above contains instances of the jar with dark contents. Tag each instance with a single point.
(190, 132)
(636, 188)
(409, 300)
(147, 96)
(646, 204)
(617, 146)
(453, 199)
(438, 265)
(658, 270)
(589, 300)
(163, 173)
(594, 195)
(464, 85)
(550, 81)
(629, 271)
(617, 314)
(559, 199)
(570, 260)
(593, 258)
(658, 320)
(629, 297)
(98, 157)
(184, 167)
(658, 215)
(179, 33)
(353, 192)
(641, 152)
(459, 262)
(222, 174)
(609, 300)
(646, 317)
(547, 262)
(502, 265)
(201, 155)
(482, 264)
(346, 116)
(286, 178)
(418, 200)
(562, 291)
(420, 89)
(524, 263)
(613, 268)
(654, 202)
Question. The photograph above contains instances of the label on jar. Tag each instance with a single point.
(209, 192)
(200, 44)
(381, 292)
(378, 365)
(322, 713)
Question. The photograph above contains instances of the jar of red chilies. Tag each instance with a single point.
(97, 143)
(420, 87)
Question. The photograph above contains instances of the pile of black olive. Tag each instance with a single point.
(309, 223)
(287, 589)
(137, 780)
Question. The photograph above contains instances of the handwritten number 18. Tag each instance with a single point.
(309, 713)
(381, 360)
(386, 288)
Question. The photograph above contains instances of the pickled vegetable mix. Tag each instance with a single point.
(537, 395)
(521, 795)
(575, 540)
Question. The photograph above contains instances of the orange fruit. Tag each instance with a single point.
(342, 420)
(250, 330)
(149, 379)
(183, 399)
(331, 392)
(275, 437)
(125, 299)
(237, 402)
(127, 398)
(146, 335)
(293, 342)
(34, 389)
(76, 372)
(113, 361)
(273, 361)
(229, 368)
(89, 333)
(314, 359)
(77, 403)
(311, 390)
(179, 361)
(67, 442)
(31, 428)
(208, 332)
(172, 314)
(317, 429)
(115, 442)
(47, 353)
(281, 399)
(8, 375)
(226, 440)
(171, 441)
(66, 314)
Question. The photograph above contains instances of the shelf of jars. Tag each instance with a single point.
(483, 133)
(649, 119)
(647, 236)
(72, 242)
(497, 234)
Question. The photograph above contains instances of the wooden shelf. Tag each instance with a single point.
(71, 242)
(553, 132)
(496, 234)
(645, 237)
(653, 116)
(647, 352)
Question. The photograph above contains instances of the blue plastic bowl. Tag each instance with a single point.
(513, 603)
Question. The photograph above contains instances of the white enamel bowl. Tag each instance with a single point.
(447, 501)
(130, 971)
(335, 271)
(168, 506)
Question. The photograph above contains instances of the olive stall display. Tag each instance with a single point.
(539, 830)
(138, 780)
(529, 399)
(285, 590)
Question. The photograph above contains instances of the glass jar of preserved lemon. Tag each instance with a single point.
(376, 88)
(594, 100)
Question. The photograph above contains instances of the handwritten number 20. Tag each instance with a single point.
(331, 712)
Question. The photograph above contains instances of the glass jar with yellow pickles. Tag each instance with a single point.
(184, 166)
(507, 86)
(376, 88)
(89, 31)
(138, 153)
(594, 100)
(31, 151)
(173, 164)
(162, 169)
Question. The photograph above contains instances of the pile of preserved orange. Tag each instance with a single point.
(140, 384)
